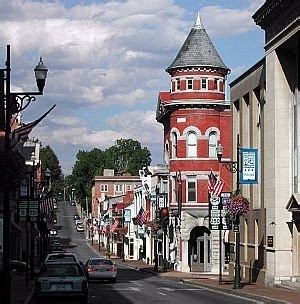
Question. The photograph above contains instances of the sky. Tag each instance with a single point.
(107, 61)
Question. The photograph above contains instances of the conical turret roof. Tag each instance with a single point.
(198, 51)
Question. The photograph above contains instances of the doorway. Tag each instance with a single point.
(200, 249)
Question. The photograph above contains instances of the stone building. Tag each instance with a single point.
(266, 113)
(196, 117)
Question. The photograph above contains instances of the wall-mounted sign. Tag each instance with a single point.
(127, 215)
(249, 166)
(270, 242)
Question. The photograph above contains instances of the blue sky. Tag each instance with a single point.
(107, 62)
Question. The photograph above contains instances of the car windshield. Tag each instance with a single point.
(101, 262)
(61, 270)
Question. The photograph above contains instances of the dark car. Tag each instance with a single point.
(76, 217)
(73, 203)
(17, 266)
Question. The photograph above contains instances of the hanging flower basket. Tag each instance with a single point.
(237, 205)
(153, 225)
(12, 168)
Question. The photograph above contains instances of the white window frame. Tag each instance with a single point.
(104, 188)
(206, 83)
(174, 144)
(212, 144)
(191, 146)
(189, 82)
(177, 87)
(191, 179)
(128, 187)
(119, 188)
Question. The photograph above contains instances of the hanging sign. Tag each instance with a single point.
(249, 166)
(127, 215)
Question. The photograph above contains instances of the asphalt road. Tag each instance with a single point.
(134, 286)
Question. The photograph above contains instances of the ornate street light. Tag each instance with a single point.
(12, 103)
(233, 167)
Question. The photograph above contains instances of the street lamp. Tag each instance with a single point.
(234, 167)
(12, 103)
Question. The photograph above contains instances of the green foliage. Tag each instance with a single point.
(126, 156)
(50, 161)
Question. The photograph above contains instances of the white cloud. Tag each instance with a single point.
(107, 58)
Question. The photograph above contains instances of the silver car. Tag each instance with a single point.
(101, 269)
(61, 280)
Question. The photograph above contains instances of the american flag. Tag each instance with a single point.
(21, 133)
(114, 225)
(215, 185)
(141, 217)
(46, 205)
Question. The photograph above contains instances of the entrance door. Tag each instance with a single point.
(200, 257)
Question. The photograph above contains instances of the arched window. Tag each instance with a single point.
(174, 145)
(212, 144)
(191, 144)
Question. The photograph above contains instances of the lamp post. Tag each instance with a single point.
(234, 167)
(12, 103)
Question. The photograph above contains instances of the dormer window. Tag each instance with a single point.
(204, 83)
(190, 84)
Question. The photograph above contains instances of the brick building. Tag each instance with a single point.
(196, 117)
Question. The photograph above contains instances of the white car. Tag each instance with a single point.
(101, 269)
(79, 228)
(61, 280)
(77, 222)
(61, 257)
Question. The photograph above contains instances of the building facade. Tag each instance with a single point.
(196, 117)
(265, 105)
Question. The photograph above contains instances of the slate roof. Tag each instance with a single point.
(198, 51)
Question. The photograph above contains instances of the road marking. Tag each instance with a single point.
(163, 294)
(176, 289)
(136, 283)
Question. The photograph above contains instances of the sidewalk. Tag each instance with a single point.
(20, 292)
(259, 292)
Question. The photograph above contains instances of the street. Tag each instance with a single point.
(134, 286)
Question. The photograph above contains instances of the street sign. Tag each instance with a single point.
(33, 211)
(22, 211)
(217, 212)
(127, 215)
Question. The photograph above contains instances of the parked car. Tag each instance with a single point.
(78, 222)
(79, 227)
(61, 280)
(17, 266)
(56, 247)
(101, 269)
(76, 217)
(61, 257)
(53, 232)
(73, 203)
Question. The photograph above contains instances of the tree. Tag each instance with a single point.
(50, 160)
(127, 156)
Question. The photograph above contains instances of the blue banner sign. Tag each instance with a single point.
(249, 166)
(127, 215)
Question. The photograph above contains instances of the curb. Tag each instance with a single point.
(236, 292)
(29, 297)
